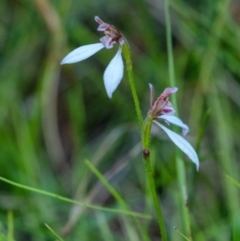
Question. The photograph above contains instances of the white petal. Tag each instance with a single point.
(113, 73)
(82, 53)
(182, 144)
(176, 121)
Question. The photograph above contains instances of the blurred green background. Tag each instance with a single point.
(54, 117)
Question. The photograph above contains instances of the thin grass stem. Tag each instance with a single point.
(54, 233)
(181, 172)
(121, 202)
(10, 233)
(32, 189)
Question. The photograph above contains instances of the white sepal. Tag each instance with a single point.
(113, 73)
(82, 53)
(181, 143)
(176, 121)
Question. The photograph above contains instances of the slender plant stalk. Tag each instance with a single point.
(208, 88)
(10, 236)
(121, 202)
(156, 202)
(146, 131)
(106, 184)
(217, 104)
(32, 189)
(54, 233)
(181, 172)
(185, 238)
(129, 66)
(232, 180)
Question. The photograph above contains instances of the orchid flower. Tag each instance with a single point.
(162, 110)
(114, 71)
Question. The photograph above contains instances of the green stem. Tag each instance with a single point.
(146, 131)
(32, 189)
(156, 202)
(53, 232)
(129, 67)
(181, 172)
(121, 202)
(10, 226)
(107, 185)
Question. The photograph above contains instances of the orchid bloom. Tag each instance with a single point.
(162, 110)
(114, 71)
